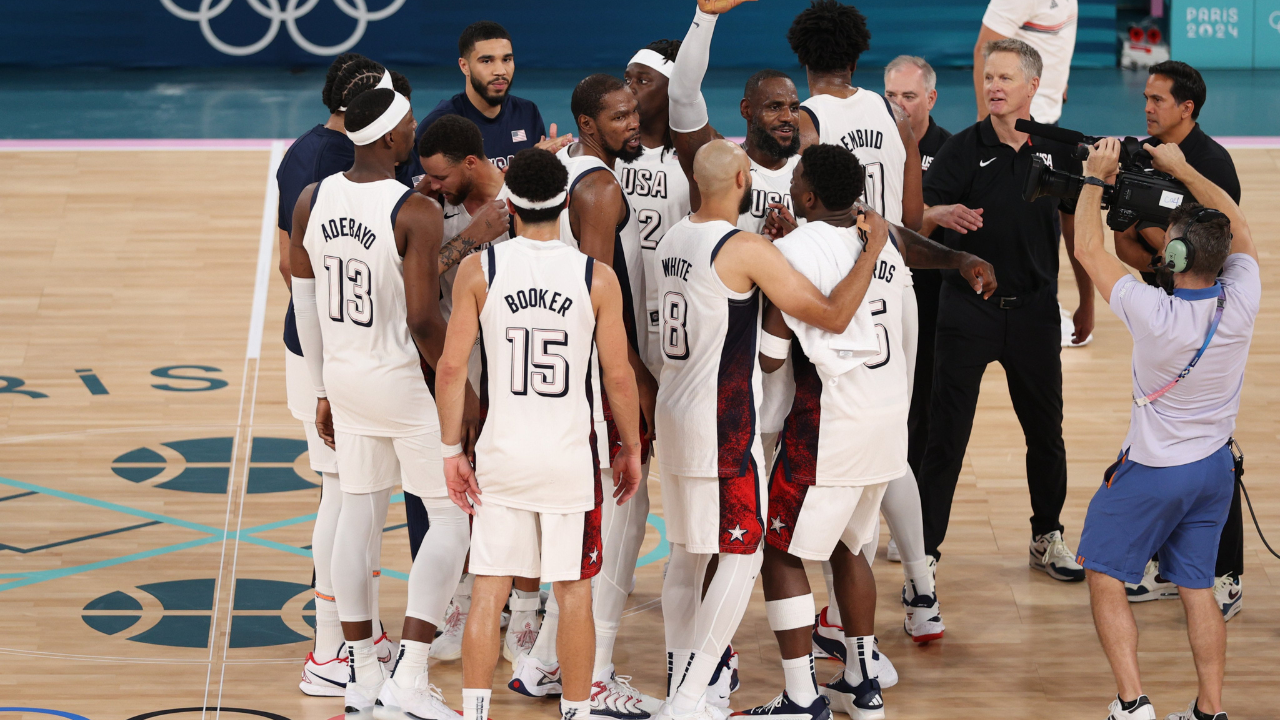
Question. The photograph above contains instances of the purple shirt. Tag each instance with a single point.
(1196, 417)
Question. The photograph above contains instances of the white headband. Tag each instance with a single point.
(383, 82)
(538, 204)
(385, 123)
(653, 60)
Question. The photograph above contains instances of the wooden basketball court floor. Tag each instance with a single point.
(155, 501)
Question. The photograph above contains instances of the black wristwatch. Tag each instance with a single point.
(1094, 181)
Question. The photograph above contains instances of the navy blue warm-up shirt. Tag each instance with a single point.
(518, 125)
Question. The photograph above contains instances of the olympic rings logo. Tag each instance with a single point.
(1274, 21)
(270, 9)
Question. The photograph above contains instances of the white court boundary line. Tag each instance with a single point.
(266, 246)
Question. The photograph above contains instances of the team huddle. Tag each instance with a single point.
(513, 338)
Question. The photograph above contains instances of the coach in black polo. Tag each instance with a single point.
(984, 167)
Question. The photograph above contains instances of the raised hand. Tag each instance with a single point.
(551, 143)
(715, 7)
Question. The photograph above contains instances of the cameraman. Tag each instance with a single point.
(1170, 489)
(1175, 94)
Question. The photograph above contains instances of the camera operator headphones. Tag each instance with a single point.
(1180, 253)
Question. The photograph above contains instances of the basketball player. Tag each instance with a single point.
(535, 301)
(601, 223)
(376, 244)
(460, 174)
(318, 153)
(713, 493)
(825, 490)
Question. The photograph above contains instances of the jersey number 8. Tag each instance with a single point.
(359, 307)
(550, 374)
(675, 337)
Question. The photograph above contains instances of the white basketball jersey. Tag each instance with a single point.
(371, 367)
(767, 186)
(658, 191)
(864, 125)
(851, 429)
(538, 328)
(708, 396)
(456, 219)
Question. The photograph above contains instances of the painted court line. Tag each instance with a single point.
(266, 245)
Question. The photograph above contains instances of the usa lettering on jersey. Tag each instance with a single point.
(537, 298)
(761, 199)
(348, 227)
(645, 182)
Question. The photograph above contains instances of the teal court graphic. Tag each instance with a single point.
(257, 613)
(205, 465)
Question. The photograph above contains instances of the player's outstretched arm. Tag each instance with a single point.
(690, 123)
(617, 379)
(307, 314)
(487, 225)
(921, 253)
(469, 292)
(750, 257)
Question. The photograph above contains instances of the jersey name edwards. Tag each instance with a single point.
(348, 227)
(534, 297)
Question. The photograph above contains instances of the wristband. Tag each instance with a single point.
(1094, 181)
(773, 346)
(448, 451)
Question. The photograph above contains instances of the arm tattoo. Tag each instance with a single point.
(452, 252)
(921, 252)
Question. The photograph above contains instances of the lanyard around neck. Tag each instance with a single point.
(1213, 327)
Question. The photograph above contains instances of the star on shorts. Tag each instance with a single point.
(777, 524)
(737, 534)
(594, 554)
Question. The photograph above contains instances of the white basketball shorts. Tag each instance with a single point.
(557, 547)
(369, 463)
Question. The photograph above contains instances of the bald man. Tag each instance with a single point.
(712, 276)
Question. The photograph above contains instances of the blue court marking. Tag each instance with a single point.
(663, 549)
(43, 711)
(40, 576)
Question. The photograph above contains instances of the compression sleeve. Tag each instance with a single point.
(304, 310)
(910, 334)
(688, 108)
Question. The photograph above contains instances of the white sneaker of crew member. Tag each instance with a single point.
(1154, 586)
(1050, 553)
(1141, 710)
(1229, 595)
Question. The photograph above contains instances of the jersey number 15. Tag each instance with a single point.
(549, 375)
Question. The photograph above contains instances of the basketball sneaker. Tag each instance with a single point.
(324, 679)
(863, 702)
(532, 678)
(1141, 710)
(1190, 714)
(423, 701)
(828, 639)
(1153, 586)
(1050, 553)
(362, 696)
(386, 649)
(924, 615)
(448, 645)
(891, 553)
(702, 712)
(522, 631)
(1229, 595)
(784, 708)
(725, 680)
(613, 696)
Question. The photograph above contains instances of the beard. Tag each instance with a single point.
(483, 91)
(770, 146)
(744, 205)
(626, 155)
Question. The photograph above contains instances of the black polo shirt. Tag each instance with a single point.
(1018, 238)
(1209, 159)
(931, 143)
(929, 282)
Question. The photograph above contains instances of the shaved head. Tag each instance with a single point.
(717, 166)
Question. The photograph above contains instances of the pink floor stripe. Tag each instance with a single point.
(1241, 142)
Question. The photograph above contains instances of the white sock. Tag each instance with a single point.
(364, 659)
(918, 576)
(833, 607)
(802, 684)
(571, 710)
(328, 628)
(544, 649)
(605, 638)
(475, 704)
(677, 664)
(858, 649)
(462, 596)
(703, 665)
(412, 663)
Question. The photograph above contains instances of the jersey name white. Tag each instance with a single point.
(864, 125)
(658, 191)
(371, 366)
(708, 396)
(537, 327)
(456, 219)
(851, 429)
